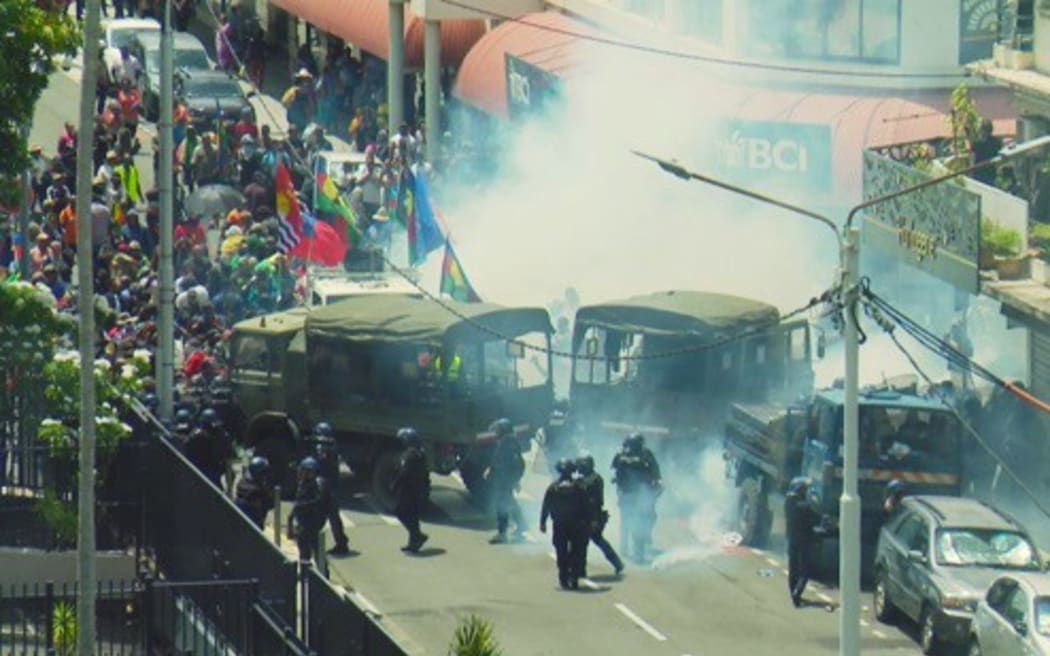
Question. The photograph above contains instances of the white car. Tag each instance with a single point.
(1013, 619)
(340, 165)
(120, 32)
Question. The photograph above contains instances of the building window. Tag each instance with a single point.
(701, 19)
(862, 30)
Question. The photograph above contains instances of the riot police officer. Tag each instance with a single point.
(202, 452)
(565, 502)
(254, 493)
(597, 517)
(891, 498)
(803, 529)
(221, 444)
(309, 512)
(505, 472)
(183, 426)
(411, 487)
(325, 451)
(556, 436)
(638, 486)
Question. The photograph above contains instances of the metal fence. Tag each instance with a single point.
(338, 626)
(40, 619)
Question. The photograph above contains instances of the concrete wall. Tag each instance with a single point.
(32, 566)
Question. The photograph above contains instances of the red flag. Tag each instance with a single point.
(302, 235)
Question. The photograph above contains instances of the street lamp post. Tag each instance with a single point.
(849, 254)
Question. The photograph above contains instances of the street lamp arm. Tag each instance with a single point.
(679, 171)
(1004, 155)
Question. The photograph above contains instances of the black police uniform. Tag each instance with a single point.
(308, 516)
(508, 466)
(594, 489)
(565, 502)
(802, 538)
(204, 454)
(411, 491)
(637, 484)
(255, 498)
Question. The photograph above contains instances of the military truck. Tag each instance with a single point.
(680, 399)
(903, 436)
(371, 364)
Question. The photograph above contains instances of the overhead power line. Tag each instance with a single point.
(692, 56)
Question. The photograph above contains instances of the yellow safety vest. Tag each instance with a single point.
(452, 375)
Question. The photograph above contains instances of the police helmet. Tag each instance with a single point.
(310, 464)
(323, 429)
(585, 463)
(408, 435)
(210, 418)
(798, 485)
(183, 416)
(199, 434)
(150, 401)
(197, 381)
(634, 441)
(896, 487)
(219, 382)
(258, 467)
(564, 466)
(502, 427)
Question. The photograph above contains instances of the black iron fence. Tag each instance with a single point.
(336, 625)
(41, 619)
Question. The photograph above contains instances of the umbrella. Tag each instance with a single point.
(212, 198)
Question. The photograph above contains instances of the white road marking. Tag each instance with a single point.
(773, 561)
(347, 522)
(456, 477)
(757, 552)
(877, 633)
(785, 571)
(391, 521)
(825, 598)
(587, 583)
(642, 624)
(525, 495)
(864, 622)
(368, 605)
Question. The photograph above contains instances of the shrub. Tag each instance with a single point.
(474, 637)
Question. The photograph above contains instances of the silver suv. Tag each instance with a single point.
(936, 557)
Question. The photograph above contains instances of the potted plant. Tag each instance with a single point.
(1001, 250)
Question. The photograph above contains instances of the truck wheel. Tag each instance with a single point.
(753, 517)
(478, 488)
(384, 471)
(281, 455)
(885, 611)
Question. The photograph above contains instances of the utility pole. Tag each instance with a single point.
(165, 186)
(395, 78)
(23, 216)
(86, 307)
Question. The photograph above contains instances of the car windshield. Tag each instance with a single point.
(210, 88)
(193, 60)
(985, 548)
(1042, 615)
(121, 38)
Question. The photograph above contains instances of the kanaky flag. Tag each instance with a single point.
(300, 234)
(330, 202)
(454, 282)
(427, 234)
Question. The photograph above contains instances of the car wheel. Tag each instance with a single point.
(974, 649)
(885, 611)
(928, 639)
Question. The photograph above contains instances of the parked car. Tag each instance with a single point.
(189, 56)
(120, 32)
(937, 556)
(210, 93)
(1013, 619)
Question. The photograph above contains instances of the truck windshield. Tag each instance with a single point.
(905, 436)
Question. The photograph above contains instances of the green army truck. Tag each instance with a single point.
(669, 364)
(903, 436)
(369, 365)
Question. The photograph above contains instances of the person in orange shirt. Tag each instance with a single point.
(67, 221)
(130, 100)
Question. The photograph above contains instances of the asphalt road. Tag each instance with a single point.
(702, 595)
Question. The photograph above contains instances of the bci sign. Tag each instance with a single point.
(778, 154)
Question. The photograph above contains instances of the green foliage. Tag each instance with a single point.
(1039, 237)
(474, 637)
(64, 628)
(999, 241)
(60, 516)
(33, 37)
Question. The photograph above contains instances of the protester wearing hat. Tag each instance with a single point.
(299, 101)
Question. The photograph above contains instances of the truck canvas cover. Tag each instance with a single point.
(281, 323)
(411, 320)
(679, 313)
